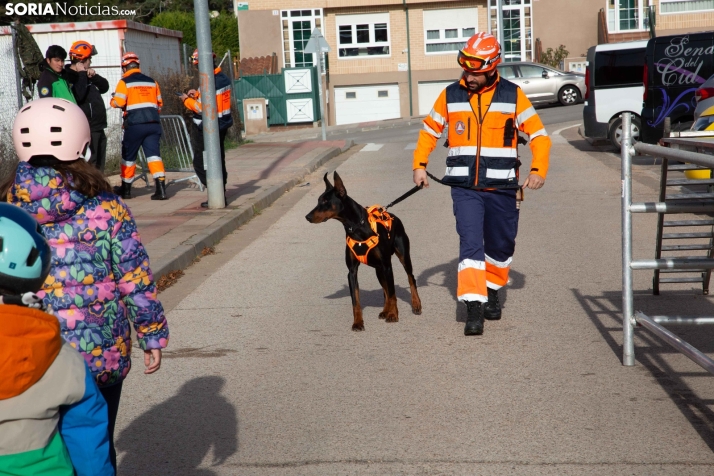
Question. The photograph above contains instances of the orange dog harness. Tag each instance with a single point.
(376, 215)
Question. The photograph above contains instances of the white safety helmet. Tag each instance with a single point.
(51, 126)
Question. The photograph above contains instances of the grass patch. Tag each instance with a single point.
(233, 144)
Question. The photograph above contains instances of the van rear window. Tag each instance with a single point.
(619, 68)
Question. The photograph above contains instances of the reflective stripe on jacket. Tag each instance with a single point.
(483, 135)
(139, 96)
(223, 102)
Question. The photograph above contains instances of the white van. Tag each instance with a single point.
(614, 82)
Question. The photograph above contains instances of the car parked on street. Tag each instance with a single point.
(614, 78)
(543, 84)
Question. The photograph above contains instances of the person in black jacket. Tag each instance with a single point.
(88, 88)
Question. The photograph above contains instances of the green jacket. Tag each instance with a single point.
(53, 85)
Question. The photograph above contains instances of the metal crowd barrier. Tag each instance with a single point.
(176, 152)
(630, 317)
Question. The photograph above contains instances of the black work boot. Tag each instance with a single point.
(492, 309)
(160, 193)
(124, 191)
(474, 319)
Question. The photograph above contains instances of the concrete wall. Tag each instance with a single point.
(260, 34)
(572, 23)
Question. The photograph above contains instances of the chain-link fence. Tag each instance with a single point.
(8, 104)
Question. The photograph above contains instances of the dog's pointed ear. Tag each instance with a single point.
(339, 186)
(328, 185)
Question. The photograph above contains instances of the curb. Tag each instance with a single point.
(183, 255)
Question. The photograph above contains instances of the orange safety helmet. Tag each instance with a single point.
(194, 57)
(481, 54)
(82, 50)
(129, 58)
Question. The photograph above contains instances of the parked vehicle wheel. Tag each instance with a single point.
(569, 95)
(615, 132)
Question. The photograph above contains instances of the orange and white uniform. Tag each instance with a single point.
(482, 168)
(139, 97)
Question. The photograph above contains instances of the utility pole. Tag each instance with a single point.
(211, 142)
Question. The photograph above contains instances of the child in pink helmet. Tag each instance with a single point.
(100, 277)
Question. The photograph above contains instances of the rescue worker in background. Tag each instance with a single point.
(52, 82)
(192, 101)
(88, 87)
(140, 98)
(484, 113)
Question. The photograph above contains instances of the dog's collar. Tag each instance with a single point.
(351, 228)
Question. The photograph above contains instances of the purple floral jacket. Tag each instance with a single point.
(100, 274)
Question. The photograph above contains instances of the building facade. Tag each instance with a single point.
(391, 58)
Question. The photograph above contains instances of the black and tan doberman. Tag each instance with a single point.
(373, 236)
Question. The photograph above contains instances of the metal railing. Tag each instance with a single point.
(176, 151)
(630, 317)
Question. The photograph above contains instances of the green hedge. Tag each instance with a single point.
(224, 29)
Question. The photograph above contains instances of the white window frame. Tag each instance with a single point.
(442, 27)
(527, 54)
(616, 17)
(681, 13)
(370, 19)
(291, 39)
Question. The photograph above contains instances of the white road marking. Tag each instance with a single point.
(556, 138)
(372, 147)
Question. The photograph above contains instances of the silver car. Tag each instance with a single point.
(543, 84)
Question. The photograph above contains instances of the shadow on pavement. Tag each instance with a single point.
(175, 436)
(445, 275)
(375, 297)
(605, 311)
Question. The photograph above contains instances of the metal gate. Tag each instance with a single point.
(176, 151)
(697, 205)
(292, 95)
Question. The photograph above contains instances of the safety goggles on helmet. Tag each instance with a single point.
(475, 64)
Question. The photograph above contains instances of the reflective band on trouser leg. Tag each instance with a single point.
(472, 281)
(497, 272)
(128, 169)
(156, 166)
(469, 213)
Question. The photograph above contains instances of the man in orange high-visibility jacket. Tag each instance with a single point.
(140, 98)
(484, 113)
(192, 101)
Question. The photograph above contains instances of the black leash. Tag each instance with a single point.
(406, 195)
(416, 188)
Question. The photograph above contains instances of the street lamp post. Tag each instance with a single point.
(317, 45)
(211, 142)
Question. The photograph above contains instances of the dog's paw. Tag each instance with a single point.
(416, 310)
(383, 315)
(392, 318)
(358, 327)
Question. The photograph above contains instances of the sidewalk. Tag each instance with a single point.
(175, 231)
(279, 134)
